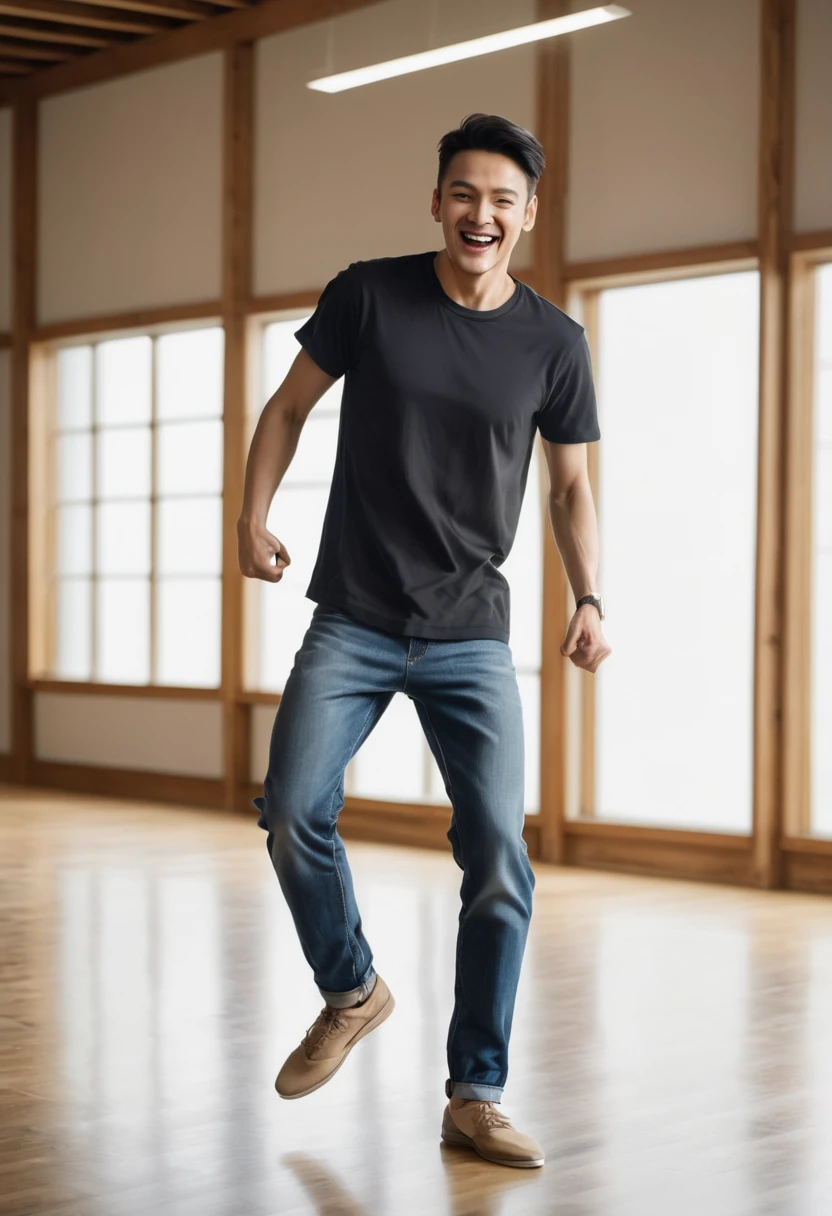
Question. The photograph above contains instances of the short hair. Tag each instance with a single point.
(493, 133)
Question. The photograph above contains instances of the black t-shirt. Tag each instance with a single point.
(438, 416)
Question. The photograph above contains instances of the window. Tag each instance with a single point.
(677, 506)
(136, 460)
(395, 763)
(821, 600)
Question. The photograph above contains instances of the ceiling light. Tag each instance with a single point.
(470, 49)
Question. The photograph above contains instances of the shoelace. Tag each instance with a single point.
(326, 1023)
(485, 1113)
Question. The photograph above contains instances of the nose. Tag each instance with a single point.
(480, 213)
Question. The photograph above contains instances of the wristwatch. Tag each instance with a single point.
(597, 600)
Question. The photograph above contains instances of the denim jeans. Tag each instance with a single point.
(468, 702)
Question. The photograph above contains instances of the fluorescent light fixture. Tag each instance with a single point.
(470, 49)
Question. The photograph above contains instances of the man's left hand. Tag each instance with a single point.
(584, 643)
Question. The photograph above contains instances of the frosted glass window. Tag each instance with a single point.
(188, 612)
(123, 633)
(529, 686)
(190, 457)
(122, 466)
(821, 598)
(523, 568)
(123, 381)
(189, 374)
(111, 501)
(391, 763)
(678, 395)
(283, 618)
(189, 536)
(123, 538)
(73, 639)
(73, 459)
(74, 374)
(314, 458)
(73, 540)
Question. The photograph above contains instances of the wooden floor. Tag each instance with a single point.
(672, 1044)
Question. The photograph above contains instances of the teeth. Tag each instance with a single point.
(481, 240)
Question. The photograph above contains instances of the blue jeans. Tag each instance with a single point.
(465, 692)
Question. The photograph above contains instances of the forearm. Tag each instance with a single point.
(575, 528)
(272, 448)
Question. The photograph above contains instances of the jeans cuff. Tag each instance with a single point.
(472, 1089)
(342, 1000)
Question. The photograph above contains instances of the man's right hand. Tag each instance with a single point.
(255, 549)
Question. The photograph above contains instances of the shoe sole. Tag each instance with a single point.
(460, 1140)
(382, 1016)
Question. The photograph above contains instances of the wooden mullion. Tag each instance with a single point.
(775, 186)
(24, 211)
(238, 110)
(552, 122)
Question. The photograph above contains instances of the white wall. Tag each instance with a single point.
(663, 128)
(813, 116)
(131, 192)
(5, 219)
(350, 175)
(167, 736)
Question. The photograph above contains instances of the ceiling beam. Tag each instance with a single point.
(14, 50)
(80, 14)
(186, 10)
(49, 33)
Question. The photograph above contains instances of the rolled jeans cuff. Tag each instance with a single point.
(342, 1000)
(467, 1089)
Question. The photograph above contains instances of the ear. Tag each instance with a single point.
(531, 212)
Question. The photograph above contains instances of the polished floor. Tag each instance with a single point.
(672, 1043)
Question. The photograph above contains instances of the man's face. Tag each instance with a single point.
(483, 193)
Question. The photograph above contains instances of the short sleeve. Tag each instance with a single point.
(570, 412)
(330, 335)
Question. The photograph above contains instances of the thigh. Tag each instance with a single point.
(333, 698)
(468, 702)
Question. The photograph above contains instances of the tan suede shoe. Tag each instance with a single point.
(482, 1127)
(329, 1040)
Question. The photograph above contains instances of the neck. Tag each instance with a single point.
(479, 291)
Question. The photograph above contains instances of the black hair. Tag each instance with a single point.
(493, 133)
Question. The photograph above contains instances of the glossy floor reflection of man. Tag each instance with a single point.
(474, 1188)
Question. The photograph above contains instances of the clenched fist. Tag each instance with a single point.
(255, 549)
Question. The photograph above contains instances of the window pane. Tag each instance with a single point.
(190, 457)
(524, 570)
(73, 460)
(280, 349)
(314, 458)
(123, 640)
(73, 540)
(73, 657)
(821, 600)
(188, 615)
(677, 514)
(529, 686)
(284, 615)
(390, 764)
(74, 373)
(189, 370)
(123, 463)
(296, 518)
(189, 536)
(123, 380)
(123, 538)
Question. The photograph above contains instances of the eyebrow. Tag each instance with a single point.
(496, 190)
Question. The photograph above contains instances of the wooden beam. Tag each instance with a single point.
(48, 33)
(24, 213)
(238, 125)
(184, 10)
(775, 187)
(122, 322)
(242, 25)
(552, 131)
(80, 14)
(16, 50)
(663, 264)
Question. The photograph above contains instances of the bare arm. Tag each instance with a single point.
(273, 445)
(575, 527)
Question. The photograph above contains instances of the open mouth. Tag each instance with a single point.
(474, 242)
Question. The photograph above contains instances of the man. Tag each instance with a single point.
(451, 367)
